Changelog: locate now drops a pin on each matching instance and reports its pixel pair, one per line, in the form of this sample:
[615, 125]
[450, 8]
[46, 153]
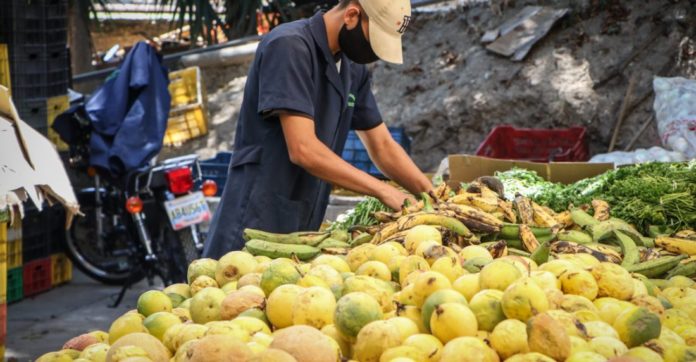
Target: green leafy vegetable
[645, 194]
[361, 214]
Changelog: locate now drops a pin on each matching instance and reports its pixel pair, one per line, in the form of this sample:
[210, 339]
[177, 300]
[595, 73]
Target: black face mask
[355, 45]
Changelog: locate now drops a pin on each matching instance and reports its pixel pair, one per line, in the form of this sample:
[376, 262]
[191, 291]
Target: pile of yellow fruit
[402, 302]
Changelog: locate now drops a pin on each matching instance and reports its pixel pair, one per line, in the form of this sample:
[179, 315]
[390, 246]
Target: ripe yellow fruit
[408, 352]
[558, 266]
[468, 285]
[452, 320]
[545, 279]
[279, 305]
[278, 273]
[354, 311]
[475, 251]
[251, 325]
[375, 338]
[154, 301]
[405, 326]
[608, 347]
[530, 357]
[578, 344]
[414, 314]
[420, 233]
[498, 274]
[600, 329]
[385, 252]
[158, 323]
[449, 267]
[613, 281]
[579, 282]
[332, 332]
[233, 266]
[333, 261]
[359, 255]
[468, 349]
[126, 324]
[509, 337]
[202, 282]
[643, 354]
[375, 269]
[426, 343]
[314, 307]
[411, 264]
[439, 297]
[610, 308]
[568, 321]
[523, 299]
[637, 326]
[488, 309]
[573, 303]
[380, 290]
[680, 281]
[547, 336]
[427, 283]
[586, 356]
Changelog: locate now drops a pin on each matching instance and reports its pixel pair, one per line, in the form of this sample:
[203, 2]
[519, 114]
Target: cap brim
[386, 45]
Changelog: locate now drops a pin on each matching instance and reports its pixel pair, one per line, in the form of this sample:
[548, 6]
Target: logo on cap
[404, 24]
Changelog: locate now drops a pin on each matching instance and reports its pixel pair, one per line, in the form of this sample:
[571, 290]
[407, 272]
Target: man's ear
[351, 14]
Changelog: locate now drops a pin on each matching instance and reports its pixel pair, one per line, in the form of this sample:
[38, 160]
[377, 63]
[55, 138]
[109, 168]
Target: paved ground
[43, 323]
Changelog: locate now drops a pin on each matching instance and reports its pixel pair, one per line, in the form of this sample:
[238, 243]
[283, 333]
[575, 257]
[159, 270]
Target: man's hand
[308, 152]
[393, 161]
[394, 198]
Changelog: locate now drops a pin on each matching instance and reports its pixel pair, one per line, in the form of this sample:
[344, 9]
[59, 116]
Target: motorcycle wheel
[110, 263]
[171, 262]
[188, 245]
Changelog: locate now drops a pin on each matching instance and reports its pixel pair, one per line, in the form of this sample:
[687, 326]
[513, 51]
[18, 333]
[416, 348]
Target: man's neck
[333, 22]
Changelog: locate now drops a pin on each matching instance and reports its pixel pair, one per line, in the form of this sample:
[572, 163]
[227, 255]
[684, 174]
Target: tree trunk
[79, 40]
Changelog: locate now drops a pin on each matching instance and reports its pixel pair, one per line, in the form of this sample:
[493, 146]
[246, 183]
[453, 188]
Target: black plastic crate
[43, 232]
[39, 72]
[32, 111]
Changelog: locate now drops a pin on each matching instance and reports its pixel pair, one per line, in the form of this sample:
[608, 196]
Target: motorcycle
[142, 225]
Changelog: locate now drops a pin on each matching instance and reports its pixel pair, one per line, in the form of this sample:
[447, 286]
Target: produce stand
[467, 271]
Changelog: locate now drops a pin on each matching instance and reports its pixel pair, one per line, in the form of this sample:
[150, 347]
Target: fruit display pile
[459, 276]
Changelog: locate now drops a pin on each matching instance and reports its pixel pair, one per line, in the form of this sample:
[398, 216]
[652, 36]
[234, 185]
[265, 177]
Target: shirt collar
[318, 27]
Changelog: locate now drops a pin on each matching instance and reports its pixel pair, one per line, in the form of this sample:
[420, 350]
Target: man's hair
[343, 3]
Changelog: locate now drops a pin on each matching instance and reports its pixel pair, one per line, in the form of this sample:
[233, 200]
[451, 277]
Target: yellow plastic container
[61, 269]
[188, 117]
[14, 244]
[54, 107]
[3, 263]
[5, 66]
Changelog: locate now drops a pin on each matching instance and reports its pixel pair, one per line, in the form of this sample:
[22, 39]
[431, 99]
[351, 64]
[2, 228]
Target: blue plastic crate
[215, 169]
[355, 153]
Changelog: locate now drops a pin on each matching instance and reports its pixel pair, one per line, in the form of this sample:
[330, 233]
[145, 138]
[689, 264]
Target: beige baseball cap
[388, 22]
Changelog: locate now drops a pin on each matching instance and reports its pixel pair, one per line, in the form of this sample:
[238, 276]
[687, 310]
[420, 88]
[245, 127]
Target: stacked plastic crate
[43, 244]
[35, 32]
[3, 285]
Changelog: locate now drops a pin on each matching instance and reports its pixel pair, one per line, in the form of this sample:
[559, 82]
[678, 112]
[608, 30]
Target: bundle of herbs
[646, 194]
[362, 214]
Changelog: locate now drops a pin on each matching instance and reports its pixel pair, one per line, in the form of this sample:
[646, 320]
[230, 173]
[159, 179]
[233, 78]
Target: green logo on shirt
[351, 100]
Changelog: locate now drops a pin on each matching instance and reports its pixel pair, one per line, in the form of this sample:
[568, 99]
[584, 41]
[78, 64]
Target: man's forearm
[393, 161]
[326, 165]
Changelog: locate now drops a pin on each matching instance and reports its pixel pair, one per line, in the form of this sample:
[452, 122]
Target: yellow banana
[564, 218]
[442, 192]
[524, 209]
[542, 217]
[529, 241]
[423, 218]
[676, 245]
[686, 234]
[385, 232]
[508, 212]
[498, 249]
[601, 210]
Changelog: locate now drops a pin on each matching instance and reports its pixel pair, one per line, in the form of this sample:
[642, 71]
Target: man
[306, 88]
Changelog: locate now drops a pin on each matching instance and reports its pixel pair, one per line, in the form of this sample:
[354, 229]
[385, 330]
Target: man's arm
[393, 161]
[308, 152]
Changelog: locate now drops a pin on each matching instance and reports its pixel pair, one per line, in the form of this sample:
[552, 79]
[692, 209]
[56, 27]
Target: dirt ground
[450, 92]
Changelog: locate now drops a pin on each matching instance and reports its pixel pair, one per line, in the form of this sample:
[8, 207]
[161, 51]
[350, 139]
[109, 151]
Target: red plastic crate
[537, 145]
[37, 276]
[3, 325]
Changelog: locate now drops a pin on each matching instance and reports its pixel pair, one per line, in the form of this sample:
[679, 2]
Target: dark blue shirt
[294, 70]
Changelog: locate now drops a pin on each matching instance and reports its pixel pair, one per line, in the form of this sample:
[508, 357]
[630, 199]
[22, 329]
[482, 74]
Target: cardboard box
[466, 168]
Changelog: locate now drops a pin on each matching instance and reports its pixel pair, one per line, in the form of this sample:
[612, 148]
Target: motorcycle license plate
[187, 210]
